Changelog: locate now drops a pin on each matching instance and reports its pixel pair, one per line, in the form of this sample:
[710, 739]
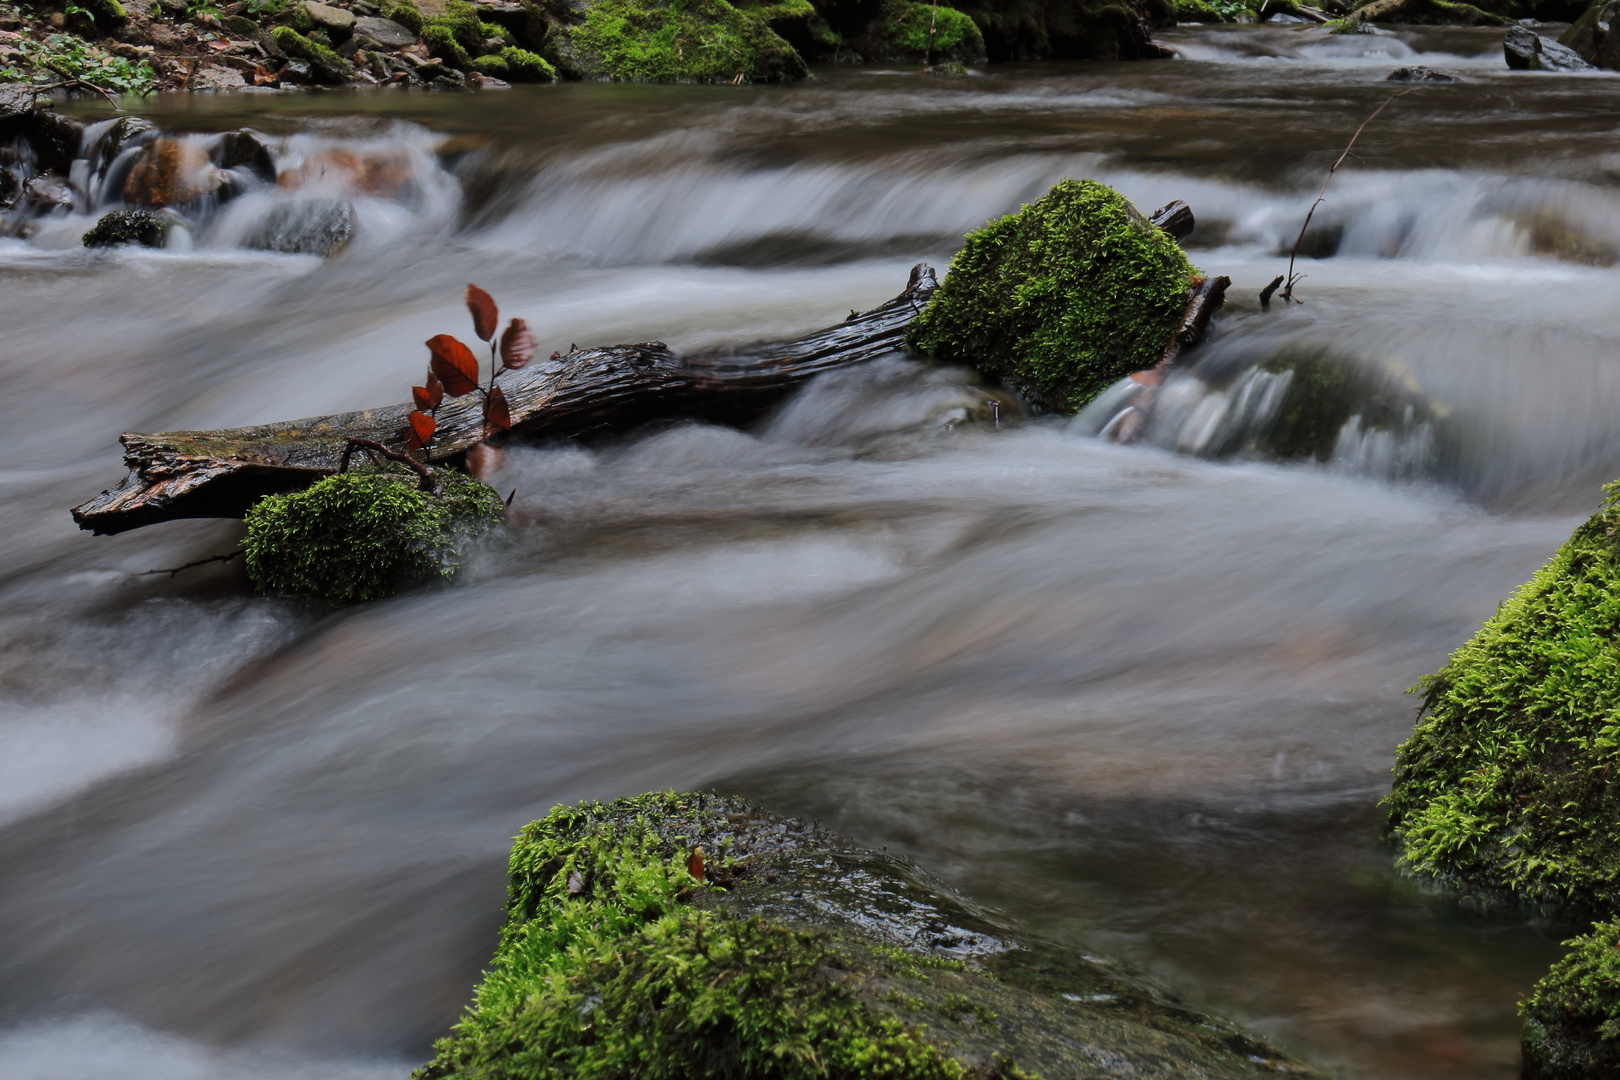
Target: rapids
[1142, 698]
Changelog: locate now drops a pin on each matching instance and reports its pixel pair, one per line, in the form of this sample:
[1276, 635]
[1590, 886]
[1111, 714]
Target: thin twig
[1288, 289]
[1265, 293]
[74, 80]
[200, 562]
[928, 53]
[429, 482]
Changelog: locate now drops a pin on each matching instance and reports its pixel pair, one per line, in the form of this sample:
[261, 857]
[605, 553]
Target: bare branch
[200, 562]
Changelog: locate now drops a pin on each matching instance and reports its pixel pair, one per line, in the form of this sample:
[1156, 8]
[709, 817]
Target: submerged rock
[1059, 300]
[365, 534]
[1526, 50]
[133, 226]
[169, 172]
[697, 936]
[304, 227]
[1420, 74]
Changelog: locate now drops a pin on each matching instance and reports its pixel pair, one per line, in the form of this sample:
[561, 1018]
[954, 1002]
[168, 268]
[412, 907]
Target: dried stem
[1288, 289]
[429, 483]
[200, 562]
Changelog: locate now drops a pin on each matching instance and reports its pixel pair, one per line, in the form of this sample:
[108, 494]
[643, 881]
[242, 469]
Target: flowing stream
[1142, 698]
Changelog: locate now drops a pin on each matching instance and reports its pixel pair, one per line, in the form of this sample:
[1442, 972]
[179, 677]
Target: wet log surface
[199, 474]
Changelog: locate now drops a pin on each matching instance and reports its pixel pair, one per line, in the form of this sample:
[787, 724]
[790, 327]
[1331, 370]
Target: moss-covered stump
[793, 953]
[1572, 1018]
[1508, 783]
[671, 41]
[365, 534]
[1059, 300]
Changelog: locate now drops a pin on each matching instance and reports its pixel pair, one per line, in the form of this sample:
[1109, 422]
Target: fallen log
[1202, 303]
[200, 474]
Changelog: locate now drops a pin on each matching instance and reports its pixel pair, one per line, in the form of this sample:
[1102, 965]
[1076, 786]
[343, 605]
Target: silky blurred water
[1142, 700]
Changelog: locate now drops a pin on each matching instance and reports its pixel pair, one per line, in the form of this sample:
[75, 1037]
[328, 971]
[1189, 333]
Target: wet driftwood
[1202, 303]
[192, 474]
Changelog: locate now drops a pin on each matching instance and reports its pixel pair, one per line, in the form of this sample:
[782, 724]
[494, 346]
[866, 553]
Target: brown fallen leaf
[694, 865]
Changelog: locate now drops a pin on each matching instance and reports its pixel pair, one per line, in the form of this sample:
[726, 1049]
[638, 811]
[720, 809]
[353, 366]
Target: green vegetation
[604, 970]
[1505, 784]
[1198, 11]
[327, 65]
[456, 35]
[130, 226]
[365, 534]
[406, 14]
[905, 31]
[1572, 1018]
[1325, 390]
[675, 41]
[1061, 299]
[525, 66]
[72, 55]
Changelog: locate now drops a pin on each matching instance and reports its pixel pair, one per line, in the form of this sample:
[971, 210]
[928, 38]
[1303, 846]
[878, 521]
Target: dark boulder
[1590, 35]
[244, 149]
[1528, 51]
[1420, 74]
[383, 33]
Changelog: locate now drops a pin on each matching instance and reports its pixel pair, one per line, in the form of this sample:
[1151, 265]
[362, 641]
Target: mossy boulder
[1420, 13]
[365, 534]
[1572, 1017]
[1592, 35]
[789, 952]
[1060, 299]
[1508, 784]
[671, 41]
[130, 226]
[1199, 11]
[899, 33]
[1067, 29]
[324, 62]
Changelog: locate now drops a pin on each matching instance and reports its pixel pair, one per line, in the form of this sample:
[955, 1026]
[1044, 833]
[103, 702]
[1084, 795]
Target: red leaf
[694, 865]
[486, 317]
[517, 344]
[422, 397]
[435, 390]
[422, 428]
[454, 364]
[497, 416]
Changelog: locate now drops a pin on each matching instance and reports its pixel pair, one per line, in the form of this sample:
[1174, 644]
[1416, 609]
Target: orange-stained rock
[169, 172]
[382, 172]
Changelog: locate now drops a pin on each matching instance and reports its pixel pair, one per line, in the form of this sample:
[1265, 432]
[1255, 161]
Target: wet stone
[1525, 50]
[133, 226]
[385, 32]
[244, 149]
[305, 227]
[1420, 74]
[169, 172]
[329, 18]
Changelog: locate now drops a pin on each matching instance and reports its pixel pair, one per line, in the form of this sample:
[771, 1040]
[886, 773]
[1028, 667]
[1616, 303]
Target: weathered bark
[1175, 218]
[190, 474]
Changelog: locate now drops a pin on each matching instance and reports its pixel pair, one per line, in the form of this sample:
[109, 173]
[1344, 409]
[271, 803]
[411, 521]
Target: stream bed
[1142, 698]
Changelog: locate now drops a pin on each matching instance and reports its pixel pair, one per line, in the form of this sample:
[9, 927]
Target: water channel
[1142, 698]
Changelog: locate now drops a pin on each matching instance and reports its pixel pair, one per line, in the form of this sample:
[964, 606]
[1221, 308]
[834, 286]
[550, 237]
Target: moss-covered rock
[1592, 35]
[1327, 390]
[365, 534]
[1572, 1017]
[1066, 29]
[1420, 13]
[672, 41]
[525, 66]
[1074, 291]
[324, 62]
[792, 954]
[899, 33]
[406, 14]
[1200, 11]
[130, 226]
[1508, 784]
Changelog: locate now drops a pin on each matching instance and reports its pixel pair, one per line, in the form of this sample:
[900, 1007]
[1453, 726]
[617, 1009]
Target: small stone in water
[1420, 74]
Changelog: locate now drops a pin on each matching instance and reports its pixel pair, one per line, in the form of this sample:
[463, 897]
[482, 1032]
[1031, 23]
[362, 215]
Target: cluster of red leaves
[453, 370]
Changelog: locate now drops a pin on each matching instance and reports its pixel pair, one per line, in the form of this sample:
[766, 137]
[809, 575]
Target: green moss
[131, 226]
[326, 63]
[1197, 11]
[905, 31]
[406, 14]
[678, 40]
[1506, 785]
[603, 970]
[525, 66]
[108, 10]
[1572, 1017]
[492, 65]
[365, 534]
[1061, 299]
[441, 42]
